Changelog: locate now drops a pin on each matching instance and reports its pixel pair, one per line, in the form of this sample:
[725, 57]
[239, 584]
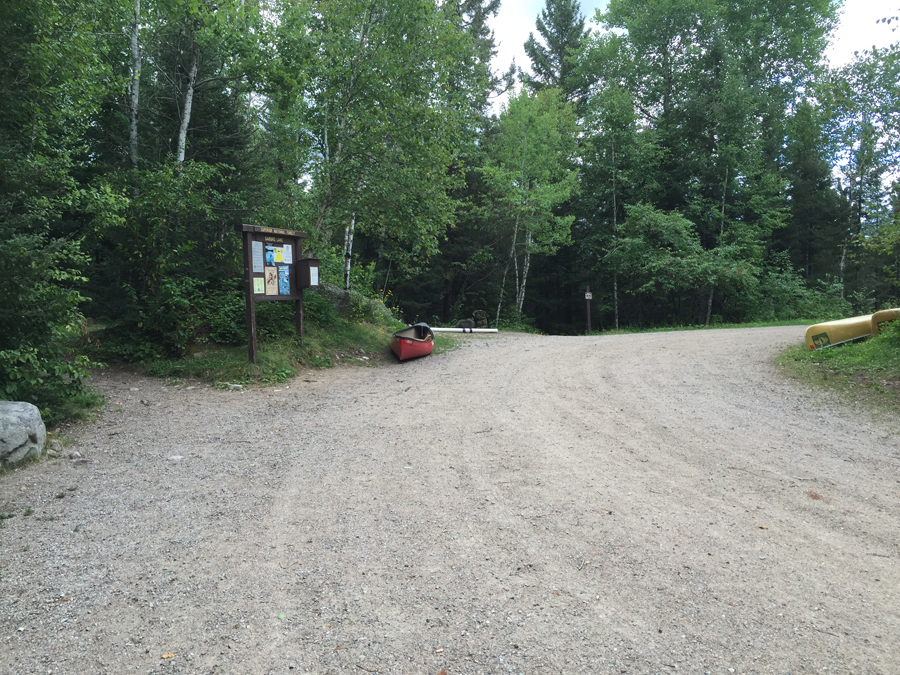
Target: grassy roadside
[361, 341]
[866, 371]
[716, 326]
[341, 341]
[336, 340]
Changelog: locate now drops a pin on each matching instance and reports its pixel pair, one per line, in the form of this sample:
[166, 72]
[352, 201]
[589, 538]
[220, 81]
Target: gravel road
[651, 503]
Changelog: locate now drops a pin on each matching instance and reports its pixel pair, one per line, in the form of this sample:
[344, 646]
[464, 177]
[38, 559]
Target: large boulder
[337, 295]
[22, 432]
[354, 303]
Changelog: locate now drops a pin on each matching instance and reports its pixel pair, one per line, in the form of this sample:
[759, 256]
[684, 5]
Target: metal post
[587, 303]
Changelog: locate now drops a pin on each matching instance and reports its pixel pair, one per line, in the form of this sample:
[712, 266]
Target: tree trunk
[512, 255]
[135, 89]
[615, 234]
[520, 295]
[616, 298]
[841, 266]
[386, 277]
[188, 102]
[348, 250]
[721, 232]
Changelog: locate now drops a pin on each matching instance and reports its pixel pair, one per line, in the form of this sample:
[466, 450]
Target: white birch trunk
[135, 86]
[188, 102]
[616, 298]
[333, 161]
[615, 234]
[348, 250]
[512, 256]
[721, 232]
[526, 265]
[841, 266]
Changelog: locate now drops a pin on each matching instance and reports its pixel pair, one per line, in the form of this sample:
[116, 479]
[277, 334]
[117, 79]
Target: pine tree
[561, 25]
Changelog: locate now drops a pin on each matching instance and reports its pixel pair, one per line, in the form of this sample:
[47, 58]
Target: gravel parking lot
[652, 503]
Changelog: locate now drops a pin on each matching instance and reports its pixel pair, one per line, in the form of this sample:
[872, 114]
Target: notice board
[275, 270]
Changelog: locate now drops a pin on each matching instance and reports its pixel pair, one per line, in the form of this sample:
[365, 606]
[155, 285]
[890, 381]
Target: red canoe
[413, 341]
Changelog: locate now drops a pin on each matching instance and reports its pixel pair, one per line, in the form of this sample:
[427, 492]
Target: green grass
[868, 371]
[279, 359]
[445, 342]
[83, 406]
[340, 341]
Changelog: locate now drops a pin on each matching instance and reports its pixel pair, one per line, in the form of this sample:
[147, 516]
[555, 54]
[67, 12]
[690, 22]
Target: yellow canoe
[832, 333]
[882, 318]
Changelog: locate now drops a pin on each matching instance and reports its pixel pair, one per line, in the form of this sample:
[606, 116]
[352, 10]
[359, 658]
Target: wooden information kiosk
[274, 270]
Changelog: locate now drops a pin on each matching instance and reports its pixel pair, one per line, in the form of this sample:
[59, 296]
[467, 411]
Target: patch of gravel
[651, 503]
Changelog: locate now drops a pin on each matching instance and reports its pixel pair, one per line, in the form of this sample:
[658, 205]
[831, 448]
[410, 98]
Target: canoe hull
[410, 349]
[832, 333]
[882, 318]
[413, 342]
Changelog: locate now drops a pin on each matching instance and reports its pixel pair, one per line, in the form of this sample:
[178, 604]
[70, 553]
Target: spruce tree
[561, 25]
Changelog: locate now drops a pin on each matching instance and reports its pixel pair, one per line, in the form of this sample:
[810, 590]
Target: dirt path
[651, 503]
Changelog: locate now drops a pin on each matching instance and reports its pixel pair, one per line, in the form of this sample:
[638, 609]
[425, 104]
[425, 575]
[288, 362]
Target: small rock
[235, 387]
[176, 458]
[74, 455]
[134, 389]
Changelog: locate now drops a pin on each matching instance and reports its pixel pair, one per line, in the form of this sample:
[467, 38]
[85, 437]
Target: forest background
[694, 161]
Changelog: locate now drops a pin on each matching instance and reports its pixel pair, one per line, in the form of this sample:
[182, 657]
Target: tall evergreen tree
[561, 25]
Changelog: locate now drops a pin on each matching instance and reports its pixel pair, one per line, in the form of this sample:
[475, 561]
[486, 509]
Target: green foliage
[515, 322]
[225, 317]
[783, 294]
[657, 253]
[381, 113]
[51, 78]
[319, 311]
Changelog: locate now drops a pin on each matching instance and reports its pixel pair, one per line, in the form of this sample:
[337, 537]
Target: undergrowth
[359, 336]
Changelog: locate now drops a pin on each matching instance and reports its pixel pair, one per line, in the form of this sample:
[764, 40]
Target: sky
[857, 29]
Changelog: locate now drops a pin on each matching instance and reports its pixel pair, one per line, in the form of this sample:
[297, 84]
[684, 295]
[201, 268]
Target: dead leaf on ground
[167, 655]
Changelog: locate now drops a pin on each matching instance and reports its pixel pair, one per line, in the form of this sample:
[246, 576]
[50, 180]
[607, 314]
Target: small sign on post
[274, 270]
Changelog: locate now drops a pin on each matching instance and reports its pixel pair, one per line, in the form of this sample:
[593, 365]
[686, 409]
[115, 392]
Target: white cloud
[858, 29]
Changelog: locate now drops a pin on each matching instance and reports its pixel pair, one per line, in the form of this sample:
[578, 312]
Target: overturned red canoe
[413, 341]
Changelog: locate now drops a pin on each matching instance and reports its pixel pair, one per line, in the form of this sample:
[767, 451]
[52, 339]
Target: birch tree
[380, 116]
[531, 169]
